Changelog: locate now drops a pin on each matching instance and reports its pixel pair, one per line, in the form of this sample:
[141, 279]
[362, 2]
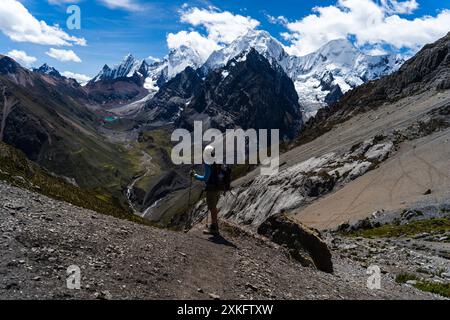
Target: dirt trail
[118, 259]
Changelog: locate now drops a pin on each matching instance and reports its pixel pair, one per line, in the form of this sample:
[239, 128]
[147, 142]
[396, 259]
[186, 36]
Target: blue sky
[112, 28]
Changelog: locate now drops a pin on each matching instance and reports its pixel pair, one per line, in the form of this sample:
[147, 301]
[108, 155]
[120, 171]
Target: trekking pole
[189, 201]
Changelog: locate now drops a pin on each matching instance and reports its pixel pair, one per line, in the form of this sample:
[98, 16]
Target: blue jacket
[207, 174]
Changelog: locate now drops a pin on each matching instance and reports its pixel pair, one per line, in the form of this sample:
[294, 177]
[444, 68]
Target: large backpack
[220, 178]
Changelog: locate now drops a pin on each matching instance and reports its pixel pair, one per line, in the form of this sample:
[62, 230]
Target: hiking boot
[213, 229]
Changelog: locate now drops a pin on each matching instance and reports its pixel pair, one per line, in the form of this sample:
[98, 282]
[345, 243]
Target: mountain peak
[181, 58]
[128, 57]
[339, 50]
[339, 43]
[259, 40]
[8, 65]
[127, 68]
[46, 69]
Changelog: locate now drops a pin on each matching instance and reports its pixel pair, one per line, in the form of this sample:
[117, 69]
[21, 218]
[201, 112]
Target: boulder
[298, 238]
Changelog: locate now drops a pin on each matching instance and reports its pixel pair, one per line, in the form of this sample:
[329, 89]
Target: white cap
[208, 150]
[208, 156]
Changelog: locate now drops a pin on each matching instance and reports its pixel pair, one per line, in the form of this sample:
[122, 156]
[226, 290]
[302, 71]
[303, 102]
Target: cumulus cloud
[22, 57]
[376, 51]
[203, 45]
[63, 55]
[277, 20]
[81, 78]
[401, 7]
[220, 28]
[17, 23]
[153, 59]
[129, 5]
[370, 22]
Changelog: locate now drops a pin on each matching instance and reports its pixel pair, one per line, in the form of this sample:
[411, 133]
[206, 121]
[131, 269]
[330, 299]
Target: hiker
[210, 178]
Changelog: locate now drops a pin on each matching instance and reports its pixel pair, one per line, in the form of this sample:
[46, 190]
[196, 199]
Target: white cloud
[153, 59]
[129, 5]
[59, 2]
[400, 7]
[204, 46]
[63, 55]
[81, 78]
[22, 57]
[277, 20]
[221, 27]
[20, 25]
[376, 52]
[370, 21]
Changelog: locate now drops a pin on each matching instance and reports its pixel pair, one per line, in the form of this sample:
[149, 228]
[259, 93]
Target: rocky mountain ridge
[320, 78]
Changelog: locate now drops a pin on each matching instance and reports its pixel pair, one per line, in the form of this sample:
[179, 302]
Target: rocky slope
[41, 238]
[362, 132]
[413, 244]
[341, 159]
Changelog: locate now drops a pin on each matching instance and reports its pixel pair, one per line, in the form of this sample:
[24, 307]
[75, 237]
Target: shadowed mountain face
[173, 96]
[121, 84]
[113, 92]
[248, 93]
[46, 69]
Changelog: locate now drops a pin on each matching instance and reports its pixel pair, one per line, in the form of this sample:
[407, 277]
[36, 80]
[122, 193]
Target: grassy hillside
[16, 169]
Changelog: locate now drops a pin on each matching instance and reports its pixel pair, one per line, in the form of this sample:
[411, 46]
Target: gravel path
[118, 259]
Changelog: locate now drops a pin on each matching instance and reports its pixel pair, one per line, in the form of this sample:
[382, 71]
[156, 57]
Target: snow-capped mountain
[126, 69]
[324, 76]
[260, 40]
[175, 62]
[46, 69]
[242, 94]
[321, 77]
[180, 59]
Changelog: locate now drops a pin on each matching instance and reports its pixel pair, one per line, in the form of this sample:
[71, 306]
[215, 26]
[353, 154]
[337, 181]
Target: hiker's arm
[205, 177]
